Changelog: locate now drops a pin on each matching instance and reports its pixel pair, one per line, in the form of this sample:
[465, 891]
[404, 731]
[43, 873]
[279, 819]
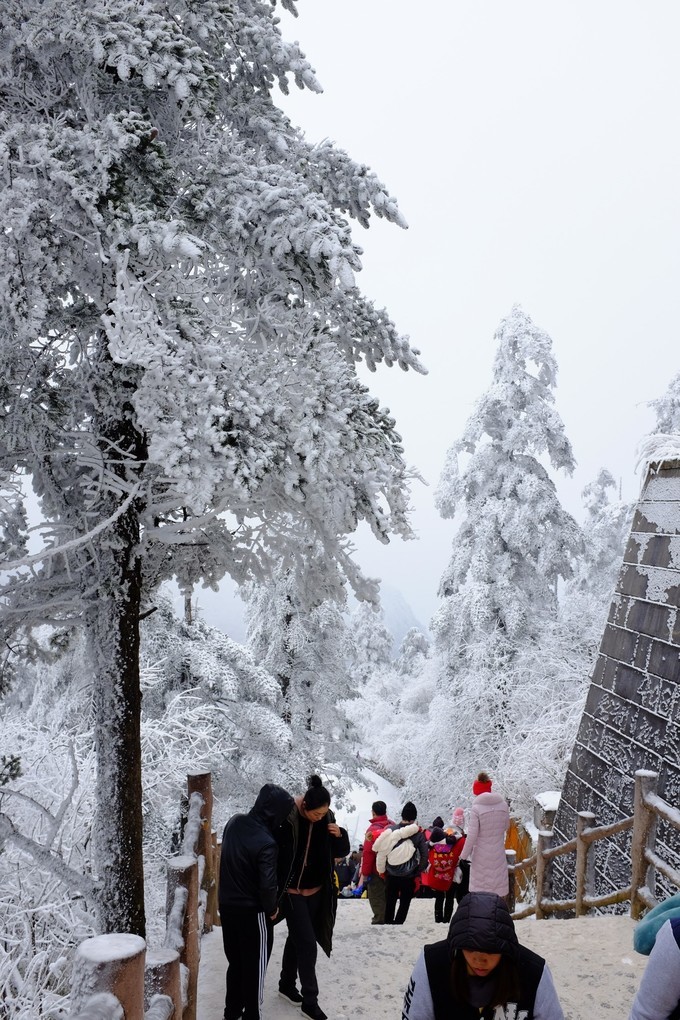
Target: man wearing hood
[481, 972]
[247, 899]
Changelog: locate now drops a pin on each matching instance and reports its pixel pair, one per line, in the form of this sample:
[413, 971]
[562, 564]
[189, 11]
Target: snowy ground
[592, 959]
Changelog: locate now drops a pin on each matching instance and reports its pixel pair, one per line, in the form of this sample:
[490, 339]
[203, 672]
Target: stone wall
[632, 715]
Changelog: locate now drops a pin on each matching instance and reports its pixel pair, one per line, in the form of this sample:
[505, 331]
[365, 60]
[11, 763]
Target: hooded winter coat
[248, 874]
[288, 837]
[482, 922]
[485, 844]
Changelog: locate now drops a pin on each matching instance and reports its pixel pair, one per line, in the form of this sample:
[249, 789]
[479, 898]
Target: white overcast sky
[535, 152]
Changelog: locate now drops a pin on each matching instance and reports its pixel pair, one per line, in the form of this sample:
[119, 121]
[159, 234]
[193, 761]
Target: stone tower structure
[632, 715]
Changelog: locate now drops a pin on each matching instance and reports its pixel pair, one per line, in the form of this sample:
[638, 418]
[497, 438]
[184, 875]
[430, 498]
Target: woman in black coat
[309, 844]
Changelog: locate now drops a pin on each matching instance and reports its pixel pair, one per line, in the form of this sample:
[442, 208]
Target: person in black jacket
[248, 899]
[480, 971]
[309, 844]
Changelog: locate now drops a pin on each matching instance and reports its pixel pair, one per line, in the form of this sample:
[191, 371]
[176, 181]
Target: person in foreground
[247, 899]
[480, 971]
[309, 844]
[658, 997]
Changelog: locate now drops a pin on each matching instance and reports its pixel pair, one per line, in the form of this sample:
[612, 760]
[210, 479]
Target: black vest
[438, 963]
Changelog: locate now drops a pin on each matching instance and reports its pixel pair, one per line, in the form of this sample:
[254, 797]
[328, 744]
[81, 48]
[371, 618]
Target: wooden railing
[645, 862]
[116, 977]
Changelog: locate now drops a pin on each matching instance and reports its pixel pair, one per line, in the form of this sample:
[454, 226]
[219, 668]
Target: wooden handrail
[604, 831]
[130, 974]
[645, 862]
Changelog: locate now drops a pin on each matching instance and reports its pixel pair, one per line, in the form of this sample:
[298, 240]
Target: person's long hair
[506, 986]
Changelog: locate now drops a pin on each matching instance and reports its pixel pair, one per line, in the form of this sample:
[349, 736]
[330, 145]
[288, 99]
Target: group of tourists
[278, 861]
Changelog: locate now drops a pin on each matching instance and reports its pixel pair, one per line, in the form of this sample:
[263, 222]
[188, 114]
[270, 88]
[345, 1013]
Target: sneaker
[313, 1011]
[291, 995]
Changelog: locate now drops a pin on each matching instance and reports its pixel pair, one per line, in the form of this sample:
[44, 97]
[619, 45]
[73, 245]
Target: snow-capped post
[110, 967]
[543, 883]
[644, 837]
[585, 861]
[162, 978]
[182, 924]
[201, 783]
[511, 858]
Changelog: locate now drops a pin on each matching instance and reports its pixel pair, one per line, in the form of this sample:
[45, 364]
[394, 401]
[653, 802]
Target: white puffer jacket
[387, 841]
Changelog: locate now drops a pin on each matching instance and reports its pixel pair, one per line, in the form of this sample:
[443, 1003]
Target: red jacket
[443, 859]
[378, 825]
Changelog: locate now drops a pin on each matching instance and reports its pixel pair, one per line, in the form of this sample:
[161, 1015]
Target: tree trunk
[118, 702]
[113, 631]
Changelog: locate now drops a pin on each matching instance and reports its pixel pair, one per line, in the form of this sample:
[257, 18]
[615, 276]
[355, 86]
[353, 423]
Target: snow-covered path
[592, 959]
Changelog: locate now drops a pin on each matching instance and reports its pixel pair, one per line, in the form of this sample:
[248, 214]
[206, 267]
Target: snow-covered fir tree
[513, 543]
[605, 532]
[553, 672]
[664, 441]
[179, 327]
[300, 638]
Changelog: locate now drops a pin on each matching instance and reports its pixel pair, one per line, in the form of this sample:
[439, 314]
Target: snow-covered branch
[74, 880]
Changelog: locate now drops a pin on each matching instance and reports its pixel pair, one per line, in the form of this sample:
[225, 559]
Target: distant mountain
[399, 616]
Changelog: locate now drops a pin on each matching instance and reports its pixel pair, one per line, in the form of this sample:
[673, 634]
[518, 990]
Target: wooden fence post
[162, 977]
[543, 871]
[585, 861]
[217, 850]
[201, 782]
[644, 837]
[183, 877]
[511, 858]
[111, 963]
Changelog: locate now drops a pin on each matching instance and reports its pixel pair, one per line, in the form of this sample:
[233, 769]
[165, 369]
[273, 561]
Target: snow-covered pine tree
[179, 327]
[513, 542]
[297, 632]
[605, 532]
[553, 673]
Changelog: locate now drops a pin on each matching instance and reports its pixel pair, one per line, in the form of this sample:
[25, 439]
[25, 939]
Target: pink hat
[458, 818]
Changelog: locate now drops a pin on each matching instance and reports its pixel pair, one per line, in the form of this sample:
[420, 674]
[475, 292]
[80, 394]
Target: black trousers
[443, 903]
[248, 936]
[299, 952]
[401, 889]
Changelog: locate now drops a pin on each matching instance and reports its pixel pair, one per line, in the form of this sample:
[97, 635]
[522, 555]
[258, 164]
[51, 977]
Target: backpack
[398, 866]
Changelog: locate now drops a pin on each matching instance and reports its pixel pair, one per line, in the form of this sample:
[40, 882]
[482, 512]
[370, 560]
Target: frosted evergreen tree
[300, 638]
[179, 329]
[552, 674]
[515, 539]
[663, 444]
[605, 532]
[513, 543]
[667, 409]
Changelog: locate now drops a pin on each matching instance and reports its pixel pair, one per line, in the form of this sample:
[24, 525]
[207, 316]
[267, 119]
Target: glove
[358, 891]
